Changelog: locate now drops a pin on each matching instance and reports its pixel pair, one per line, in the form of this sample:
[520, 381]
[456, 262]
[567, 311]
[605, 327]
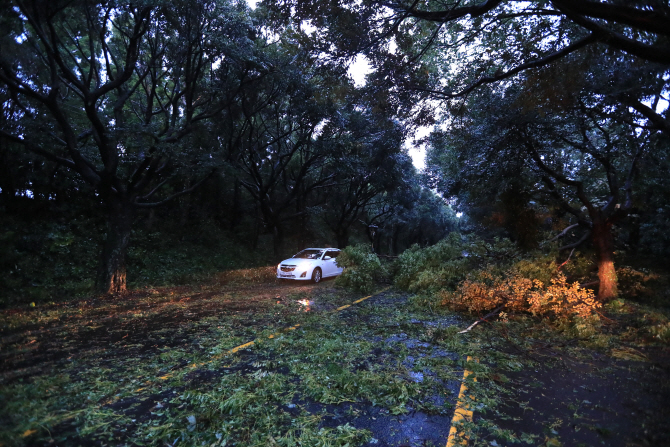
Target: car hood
[299, 261]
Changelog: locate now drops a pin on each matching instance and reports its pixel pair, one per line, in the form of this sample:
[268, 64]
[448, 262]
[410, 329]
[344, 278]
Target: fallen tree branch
[567, 260]
[488, 315]
[561, 234]
[589, 284]
[603, 316]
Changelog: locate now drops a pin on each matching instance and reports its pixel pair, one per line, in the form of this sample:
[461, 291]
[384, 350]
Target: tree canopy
[126, 108]
[209, 110]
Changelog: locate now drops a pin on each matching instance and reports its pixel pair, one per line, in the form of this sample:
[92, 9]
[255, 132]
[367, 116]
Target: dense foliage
[478, 277]
[362, 268]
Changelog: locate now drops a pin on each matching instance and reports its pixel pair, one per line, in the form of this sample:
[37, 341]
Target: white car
[311, 264]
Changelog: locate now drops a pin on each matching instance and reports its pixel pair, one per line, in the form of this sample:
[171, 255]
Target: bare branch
[494, 312]
[153, 191]
[657, 120]
[44, 153]
[561, 234]
[567, 260]
[583, 239]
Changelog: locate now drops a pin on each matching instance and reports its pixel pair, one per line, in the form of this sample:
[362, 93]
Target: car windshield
[309, 254]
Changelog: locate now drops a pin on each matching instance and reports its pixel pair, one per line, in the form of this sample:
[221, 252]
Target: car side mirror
[325, 258]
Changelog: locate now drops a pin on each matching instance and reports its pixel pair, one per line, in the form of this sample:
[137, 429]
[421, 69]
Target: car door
[330, 267]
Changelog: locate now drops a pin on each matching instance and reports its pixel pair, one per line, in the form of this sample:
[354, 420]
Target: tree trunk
[8, 193]
[277, 240]
[603, 241]
[257, 233]
[185, 205]
[634, 234]
[236, 211]
[394, 239]
[302, 215]
[151, 218]
[342, 237]
[111, 277]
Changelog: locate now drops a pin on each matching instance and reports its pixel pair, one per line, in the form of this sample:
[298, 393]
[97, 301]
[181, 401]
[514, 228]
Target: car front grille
[287, 268]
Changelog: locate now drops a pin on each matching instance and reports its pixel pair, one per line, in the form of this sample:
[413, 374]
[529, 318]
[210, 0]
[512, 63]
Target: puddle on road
[409, 343]
[306, 305]
[416, 376]
[415, 429]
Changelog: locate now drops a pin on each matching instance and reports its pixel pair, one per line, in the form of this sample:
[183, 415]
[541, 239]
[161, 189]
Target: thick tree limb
[494, 312]
[527, 66]
[582, 13]
[449, 15]
[642, 19]
[565, 206]
[583, 239]
[652, 53]
[174, 196]
[561, 234]
[578, 185]
[656, 119]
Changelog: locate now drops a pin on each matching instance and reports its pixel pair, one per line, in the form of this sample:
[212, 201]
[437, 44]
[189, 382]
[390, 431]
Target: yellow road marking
[28, 433]
[462, 413]
[246, 345]
[271, 336]
[370, 296]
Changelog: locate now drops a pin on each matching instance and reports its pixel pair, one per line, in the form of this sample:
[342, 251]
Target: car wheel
[316, 275]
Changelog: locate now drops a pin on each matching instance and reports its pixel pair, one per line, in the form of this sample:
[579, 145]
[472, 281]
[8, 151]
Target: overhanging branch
[174, 196]
[656, 119]
[583, 239]
[561, 234]
[527, 66]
